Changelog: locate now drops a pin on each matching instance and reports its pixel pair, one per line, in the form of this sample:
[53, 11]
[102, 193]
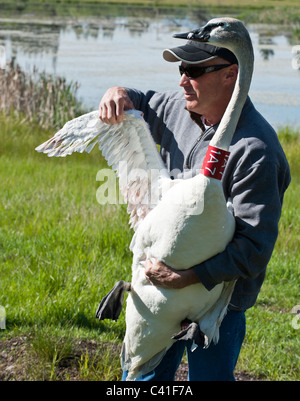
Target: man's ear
[230, 74]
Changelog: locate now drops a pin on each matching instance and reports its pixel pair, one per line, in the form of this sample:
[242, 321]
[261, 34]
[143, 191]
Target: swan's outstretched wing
[128, 147]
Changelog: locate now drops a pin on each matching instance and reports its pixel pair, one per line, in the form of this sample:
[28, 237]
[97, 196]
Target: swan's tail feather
[111, 305]
[211, 321]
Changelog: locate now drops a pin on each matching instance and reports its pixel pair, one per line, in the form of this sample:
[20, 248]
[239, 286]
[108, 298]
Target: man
[255, 178]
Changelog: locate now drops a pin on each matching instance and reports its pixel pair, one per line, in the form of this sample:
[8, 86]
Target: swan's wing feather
[128, 147]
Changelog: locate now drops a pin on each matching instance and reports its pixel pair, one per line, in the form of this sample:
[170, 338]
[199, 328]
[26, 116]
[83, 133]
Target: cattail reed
[39, 97]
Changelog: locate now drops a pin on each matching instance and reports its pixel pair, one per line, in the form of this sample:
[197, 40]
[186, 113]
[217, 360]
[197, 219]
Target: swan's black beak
[199, 35]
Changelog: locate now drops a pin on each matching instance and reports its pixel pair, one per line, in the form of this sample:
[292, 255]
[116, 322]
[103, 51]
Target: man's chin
[190, 106]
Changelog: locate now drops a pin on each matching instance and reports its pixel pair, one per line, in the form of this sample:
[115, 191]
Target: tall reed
[50, 101]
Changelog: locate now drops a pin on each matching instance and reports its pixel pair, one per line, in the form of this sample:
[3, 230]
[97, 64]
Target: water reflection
[100, 52]
[296, 57]
[266, 42]
[33, 39]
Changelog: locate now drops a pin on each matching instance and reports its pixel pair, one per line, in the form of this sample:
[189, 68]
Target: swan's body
[187, 223]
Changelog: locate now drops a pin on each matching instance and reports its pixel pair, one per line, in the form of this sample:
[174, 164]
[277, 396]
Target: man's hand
[113, 103]
[164, 276]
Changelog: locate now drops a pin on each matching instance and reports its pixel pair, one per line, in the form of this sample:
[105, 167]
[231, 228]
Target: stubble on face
[206, 95]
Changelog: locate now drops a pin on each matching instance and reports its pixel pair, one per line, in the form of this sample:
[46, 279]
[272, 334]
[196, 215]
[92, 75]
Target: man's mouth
[189, 96]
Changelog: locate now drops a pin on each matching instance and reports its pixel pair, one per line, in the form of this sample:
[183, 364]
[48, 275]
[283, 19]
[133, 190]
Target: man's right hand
[113, 103]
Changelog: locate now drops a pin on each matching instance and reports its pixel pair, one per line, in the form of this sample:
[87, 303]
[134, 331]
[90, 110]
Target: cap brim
[187, 54]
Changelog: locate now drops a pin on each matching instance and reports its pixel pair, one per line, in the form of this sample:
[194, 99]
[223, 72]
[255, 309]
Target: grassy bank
[61, 252]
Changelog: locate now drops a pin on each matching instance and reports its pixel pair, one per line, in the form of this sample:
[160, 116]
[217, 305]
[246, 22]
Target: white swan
[180, 233]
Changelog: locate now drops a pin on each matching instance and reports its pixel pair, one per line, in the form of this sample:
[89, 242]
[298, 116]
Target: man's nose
[184, 80]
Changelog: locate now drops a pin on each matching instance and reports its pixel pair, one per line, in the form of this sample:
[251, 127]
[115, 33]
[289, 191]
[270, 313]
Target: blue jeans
[215, 363]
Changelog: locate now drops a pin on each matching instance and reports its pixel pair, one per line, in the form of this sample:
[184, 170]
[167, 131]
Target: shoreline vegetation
[38, 97]
[61, 252]
[267, 11]
[165, 3]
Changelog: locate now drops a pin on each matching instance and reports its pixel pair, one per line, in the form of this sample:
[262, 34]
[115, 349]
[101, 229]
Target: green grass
[271, 349]
[60, 252]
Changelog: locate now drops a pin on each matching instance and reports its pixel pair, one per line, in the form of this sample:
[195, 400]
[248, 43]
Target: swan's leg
[190, 331]
[111, 305]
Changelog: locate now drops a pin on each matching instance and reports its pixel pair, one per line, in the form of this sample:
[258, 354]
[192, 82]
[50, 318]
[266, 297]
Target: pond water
[100, 52]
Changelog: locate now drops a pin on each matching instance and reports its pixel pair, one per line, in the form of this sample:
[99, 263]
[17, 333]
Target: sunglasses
[193, 72]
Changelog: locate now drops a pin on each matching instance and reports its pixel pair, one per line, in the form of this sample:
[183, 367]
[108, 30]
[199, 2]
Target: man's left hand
[164, 276]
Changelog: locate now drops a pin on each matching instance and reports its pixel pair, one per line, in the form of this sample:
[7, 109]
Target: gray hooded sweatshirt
[256, 177]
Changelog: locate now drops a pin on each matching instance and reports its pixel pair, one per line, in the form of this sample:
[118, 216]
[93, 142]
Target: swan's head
[223, 32]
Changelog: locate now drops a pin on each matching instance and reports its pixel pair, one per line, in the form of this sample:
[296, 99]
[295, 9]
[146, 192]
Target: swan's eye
[221, 24]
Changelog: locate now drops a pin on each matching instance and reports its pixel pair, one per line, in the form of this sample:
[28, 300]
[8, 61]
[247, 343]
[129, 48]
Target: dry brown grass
[39, 97]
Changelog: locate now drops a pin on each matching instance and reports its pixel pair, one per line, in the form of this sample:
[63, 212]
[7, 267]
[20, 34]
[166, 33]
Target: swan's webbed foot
[190, 331]
[111, 305]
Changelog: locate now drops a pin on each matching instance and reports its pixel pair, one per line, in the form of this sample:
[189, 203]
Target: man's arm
[257, 190]
[152, 104]
[113, 104]
[164, 276]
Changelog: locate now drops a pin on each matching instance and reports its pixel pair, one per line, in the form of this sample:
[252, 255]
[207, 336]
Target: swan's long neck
[223, 136]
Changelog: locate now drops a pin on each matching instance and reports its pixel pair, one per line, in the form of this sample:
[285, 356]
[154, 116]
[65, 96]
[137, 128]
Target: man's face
[206, 92]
